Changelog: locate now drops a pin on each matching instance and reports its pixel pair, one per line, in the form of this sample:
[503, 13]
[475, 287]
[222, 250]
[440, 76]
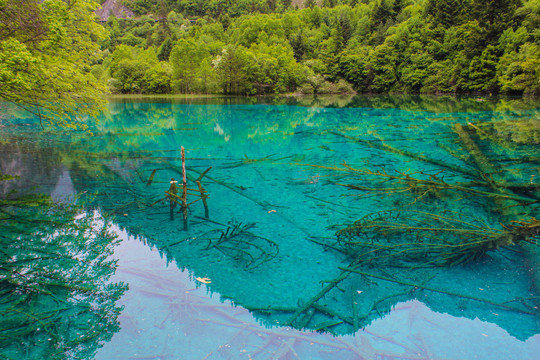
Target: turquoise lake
[384, 227]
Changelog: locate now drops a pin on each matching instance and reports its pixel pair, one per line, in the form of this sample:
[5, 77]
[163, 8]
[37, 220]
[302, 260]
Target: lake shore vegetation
[257, 47]
[57, 59]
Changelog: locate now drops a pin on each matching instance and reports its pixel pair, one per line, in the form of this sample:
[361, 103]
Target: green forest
[258, 47]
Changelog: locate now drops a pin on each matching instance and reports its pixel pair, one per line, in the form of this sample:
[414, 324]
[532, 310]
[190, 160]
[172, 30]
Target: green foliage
[46, 49]
[6, 177]
[530, 13]
[273, 68]
[446, 12]
[247, 30]
[354, 68]
[310, 3]
[383, 68]
[187, 58]
[263, 47]
[134, 71]
[165, 49]
[231, 70]
[495, 16]
[482, 71]
[440, 78]
[130, 74]
[519, 71]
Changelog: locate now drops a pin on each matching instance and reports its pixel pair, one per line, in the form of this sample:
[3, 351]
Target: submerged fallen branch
[423, 287]
[394, 237]
[241, 244]
[417, 183]
[386, 147]
[333, 283]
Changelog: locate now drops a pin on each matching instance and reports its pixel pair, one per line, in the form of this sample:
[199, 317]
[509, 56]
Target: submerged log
[386, 147]
[423, 287]
[491, 176]
[414, 237]
[333, 283]
[498, 183]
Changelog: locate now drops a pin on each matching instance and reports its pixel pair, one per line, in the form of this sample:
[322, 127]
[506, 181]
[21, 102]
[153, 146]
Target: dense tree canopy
[46, 50]
[50, 52]
[376, 46]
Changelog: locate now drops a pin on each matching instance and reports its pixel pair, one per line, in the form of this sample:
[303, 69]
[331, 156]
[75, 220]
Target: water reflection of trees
[446, 186]
[55, 298]
[134, 139]
[430, 103]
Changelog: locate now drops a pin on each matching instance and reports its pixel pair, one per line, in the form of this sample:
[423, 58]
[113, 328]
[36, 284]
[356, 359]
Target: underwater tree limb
[497, 183]
[490, 175]
[240, 244]
[423, 287]
[412, 155]
[333, 283]
[429, 239]
[415, 184]
[241, 193]
[328, 246]
[420, 185]
[332, 313]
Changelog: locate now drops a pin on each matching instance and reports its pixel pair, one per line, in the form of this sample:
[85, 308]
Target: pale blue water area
[277, 270]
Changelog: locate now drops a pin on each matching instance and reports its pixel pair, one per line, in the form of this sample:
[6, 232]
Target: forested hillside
[331, 46]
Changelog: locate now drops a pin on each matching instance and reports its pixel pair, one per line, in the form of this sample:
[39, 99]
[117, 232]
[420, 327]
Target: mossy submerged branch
[241, 244]
[429, 240]
[332, 284]
[497, 183]
[417, 183]
[415, 237]
[422, 158]
[487, 170]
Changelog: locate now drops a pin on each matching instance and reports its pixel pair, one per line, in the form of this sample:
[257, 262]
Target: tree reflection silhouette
[300, 215]
[55, 298]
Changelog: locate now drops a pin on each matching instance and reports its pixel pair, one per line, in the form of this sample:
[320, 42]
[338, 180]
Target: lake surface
[387, 227]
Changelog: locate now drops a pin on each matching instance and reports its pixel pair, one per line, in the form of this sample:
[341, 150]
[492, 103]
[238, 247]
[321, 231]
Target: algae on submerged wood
[418, 238]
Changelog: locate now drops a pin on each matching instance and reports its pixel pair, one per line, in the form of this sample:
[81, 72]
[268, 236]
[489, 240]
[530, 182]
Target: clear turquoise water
[271, 170]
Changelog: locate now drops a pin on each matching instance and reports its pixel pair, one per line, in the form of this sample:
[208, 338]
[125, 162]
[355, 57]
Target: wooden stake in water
[203, 192]
[172, 201]
[151, 178]
[181, 199]
[183, 166]
[203, 197]
[184, 190]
